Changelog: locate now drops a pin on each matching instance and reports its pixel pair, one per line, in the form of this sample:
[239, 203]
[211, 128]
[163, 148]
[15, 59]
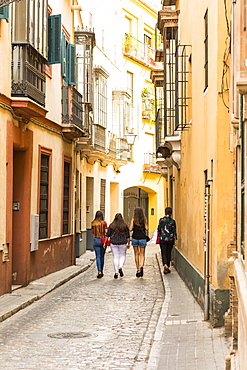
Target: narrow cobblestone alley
[88, 323]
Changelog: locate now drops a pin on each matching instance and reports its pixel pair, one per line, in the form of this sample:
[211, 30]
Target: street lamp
[130, 138]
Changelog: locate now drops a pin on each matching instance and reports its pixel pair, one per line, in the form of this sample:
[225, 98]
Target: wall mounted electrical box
[34, 242]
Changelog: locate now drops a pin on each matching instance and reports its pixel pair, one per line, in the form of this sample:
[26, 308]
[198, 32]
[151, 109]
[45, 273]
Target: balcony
[74, 114]
[28, 77]
[150, 164]
[139, 52]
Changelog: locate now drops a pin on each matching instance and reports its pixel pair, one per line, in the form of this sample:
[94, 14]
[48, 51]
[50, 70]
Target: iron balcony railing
[79, 115]
[150, 164]
[28, 77]
[99, 138]
[138, 50]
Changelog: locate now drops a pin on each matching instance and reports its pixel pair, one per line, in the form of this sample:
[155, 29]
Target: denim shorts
[139, 243]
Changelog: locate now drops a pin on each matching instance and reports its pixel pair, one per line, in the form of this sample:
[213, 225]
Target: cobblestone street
[88, 323]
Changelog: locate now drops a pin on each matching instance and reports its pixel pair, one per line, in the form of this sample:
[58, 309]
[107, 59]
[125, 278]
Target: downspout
[206, 251]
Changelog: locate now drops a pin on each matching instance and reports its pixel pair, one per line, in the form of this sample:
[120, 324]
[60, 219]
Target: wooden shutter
[63, 56]
[54, 39]
[4, 12]
[72, 64]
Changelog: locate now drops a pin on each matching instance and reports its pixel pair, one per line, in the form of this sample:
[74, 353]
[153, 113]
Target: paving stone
[89, 323]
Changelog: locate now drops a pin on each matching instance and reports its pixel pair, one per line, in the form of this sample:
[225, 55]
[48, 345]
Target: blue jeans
[139, 242]
[99, 253]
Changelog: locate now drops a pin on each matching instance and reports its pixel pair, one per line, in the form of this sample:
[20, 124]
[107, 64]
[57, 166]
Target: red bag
[158, 239]
[107, 243]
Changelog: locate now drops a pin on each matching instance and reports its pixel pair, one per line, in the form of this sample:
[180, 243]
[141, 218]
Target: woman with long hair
[139, 226]
[99, 227]
[119, 234]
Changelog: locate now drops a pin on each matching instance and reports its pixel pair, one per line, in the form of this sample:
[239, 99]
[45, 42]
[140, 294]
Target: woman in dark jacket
[168, 235]
[139, 226]
[119, 234]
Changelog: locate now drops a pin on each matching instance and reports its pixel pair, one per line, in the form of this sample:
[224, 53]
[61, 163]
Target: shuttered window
[63, 56]
[4, 12]
[72, 64]
[54, 39]
[44, 196]
[68, 61]
[66, 197]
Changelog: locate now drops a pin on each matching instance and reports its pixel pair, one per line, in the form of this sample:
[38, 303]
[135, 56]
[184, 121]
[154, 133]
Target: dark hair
[98, 218]
[168, 211]
[118, 224]
[139, 218]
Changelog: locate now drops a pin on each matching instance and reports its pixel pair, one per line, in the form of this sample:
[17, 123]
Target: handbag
[158, 239]
[146, 236]
[102, 240]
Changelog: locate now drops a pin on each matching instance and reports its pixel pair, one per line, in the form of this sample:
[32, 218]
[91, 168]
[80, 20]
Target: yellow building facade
[196, 147]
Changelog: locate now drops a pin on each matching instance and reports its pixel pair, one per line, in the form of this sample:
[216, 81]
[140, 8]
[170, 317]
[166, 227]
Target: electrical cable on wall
[224, 79]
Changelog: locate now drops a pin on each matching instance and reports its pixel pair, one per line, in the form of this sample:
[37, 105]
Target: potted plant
[127, 42]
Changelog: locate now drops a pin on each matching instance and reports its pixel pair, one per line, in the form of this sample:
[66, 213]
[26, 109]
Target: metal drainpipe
[206, 252]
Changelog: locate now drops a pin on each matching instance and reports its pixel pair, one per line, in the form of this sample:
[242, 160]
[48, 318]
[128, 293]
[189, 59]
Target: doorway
[134, 197]
[20, 219]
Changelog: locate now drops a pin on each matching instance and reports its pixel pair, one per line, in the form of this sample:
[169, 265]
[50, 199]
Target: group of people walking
[117, 235]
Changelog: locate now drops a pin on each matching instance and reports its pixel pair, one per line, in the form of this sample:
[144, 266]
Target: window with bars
[102, 195]
[66, 197]
[44, 196]
[206, 50]
[100, 97]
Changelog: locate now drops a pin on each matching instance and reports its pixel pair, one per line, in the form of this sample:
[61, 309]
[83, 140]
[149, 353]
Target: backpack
[167, 229]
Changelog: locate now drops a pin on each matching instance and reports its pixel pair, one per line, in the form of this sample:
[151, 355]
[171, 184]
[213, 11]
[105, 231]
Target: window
[44, 196]
[243, 171]
[100, 97]
[245, 15]
[148, 40]
[103, 40]
[128, 25]
[130, 85]
[102, 195]
[66, 197]
[29, 24]
[90, 20]
[206, 50]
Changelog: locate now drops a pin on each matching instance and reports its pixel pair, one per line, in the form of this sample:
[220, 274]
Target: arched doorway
[134, 197]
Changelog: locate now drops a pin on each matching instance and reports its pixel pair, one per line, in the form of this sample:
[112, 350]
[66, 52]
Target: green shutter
[72, 64]
[54, 39]
[4, 12]
[63, 56]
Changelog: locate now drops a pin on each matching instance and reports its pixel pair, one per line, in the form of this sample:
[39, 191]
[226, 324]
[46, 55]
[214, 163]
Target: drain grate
[70, 335]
